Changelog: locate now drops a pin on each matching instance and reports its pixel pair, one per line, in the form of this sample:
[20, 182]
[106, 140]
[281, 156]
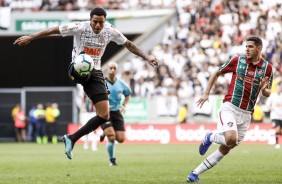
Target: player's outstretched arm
[24, 40]
[206, 94]
[137, 51]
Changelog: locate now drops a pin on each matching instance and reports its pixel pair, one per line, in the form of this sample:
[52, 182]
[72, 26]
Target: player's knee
[111, 137]
[120, 140]
[224, 149]
[233, 146]
[231, 141]
[104, 115]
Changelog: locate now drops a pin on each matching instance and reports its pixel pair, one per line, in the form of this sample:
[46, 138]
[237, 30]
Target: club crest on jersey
[230, 124]
[260, 71]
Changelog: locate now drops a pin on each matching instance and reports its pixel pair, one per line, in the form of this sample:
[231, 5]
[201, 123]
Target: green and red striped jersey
[244, 87]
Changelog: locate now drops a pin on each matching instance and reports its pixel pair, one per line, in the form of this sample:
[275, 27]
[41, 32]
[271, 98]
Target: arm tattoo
[135, 50]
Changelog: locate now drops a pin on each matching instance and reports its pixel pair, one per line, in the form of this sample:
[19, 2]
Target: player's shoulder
[266, 64]
[235, 58]
[120, 81]
[109, 27]
[84, 24]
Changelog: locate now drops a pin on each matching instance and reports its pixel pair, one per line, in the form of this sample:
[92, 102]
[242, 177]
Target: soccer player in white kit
[90, 37]
[275, 106]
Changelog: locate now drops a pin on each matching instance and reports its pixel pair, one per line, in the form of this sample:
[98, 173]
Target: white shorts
[232, 117]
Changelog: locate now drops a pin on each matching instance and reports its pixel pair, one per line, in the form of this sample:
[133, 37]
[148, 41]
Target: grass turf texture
[137, 164]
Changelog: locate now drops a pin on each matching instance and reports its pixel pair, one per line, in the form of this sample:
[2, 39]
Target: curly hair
[99, 12]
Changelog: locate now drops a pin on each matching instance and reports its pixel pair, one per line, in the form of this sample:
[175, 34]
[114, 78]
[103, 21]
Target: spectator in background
[258, 113]
[51, 114]
[275, 106]
[32, 124]
[20, 125]
[41, 125]
[15, 109]
[182, 114]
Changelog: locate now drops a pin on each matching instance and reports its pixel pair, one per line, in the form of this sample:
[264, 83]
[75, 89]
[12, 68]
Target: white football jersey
[92, 44]
[275, 102]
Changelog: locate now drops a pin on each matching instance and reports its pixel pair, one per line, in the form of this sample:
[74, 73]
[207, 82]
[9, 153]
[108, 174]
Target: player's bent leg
[110, 133]
[211, 161]
[102, 109]
[225, 149]
[120, 136]
[231, 138]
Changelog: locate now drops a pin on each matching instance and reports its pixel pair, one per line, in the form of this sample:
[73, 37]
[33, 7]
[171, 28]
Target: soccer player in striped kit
[251, 74]
[92, 38]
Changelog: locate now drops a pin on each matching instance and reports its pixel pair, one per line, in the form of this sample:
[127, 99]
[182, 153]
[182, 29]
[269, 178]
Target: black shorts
[276, 123]
[94, 84]
[96, 87]
[116, 121]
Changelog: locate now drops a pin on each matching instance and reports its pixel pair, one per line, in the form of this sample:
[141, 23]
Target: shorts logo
[230, 124]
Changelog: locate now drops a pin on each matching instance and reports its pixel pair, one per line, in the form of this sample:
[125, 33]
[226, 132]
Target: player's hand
[264, 82]
[122, 109]
[202, 100]
[23, 40]
[152, 61]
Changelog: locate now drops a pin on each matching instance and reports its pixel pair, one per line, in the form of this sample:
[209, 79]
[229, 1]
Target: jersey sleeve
[269, 74]
[117, 36]
[229, 66]
[71, 28]
[126, 89]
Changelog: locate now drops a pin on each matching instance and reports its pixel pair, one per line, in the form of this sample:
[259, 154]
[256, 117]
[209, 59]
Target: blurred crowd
[207, 34]
[76, 5]
[38, 125]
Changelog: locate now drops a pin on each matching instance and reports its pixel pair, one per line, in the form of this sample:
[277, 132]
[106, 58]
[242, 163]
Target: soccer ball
[83, 64]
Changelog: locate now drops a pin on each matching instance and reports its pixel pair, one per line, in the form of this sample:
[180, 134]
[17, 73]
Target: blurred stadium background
[190, 39]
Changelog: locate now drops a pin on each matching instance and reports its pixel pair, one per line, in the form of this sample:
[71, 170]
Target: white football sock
[218, 138]
[209, 162]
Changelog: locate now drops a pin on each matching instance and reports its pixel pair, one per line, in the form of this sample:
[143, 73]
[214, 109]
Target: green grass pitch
[137, 164]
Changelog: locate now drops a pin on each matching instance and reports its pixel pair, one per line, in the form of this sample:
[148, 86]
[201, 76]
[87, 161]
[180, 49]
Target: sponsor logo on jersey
[92, 51]
[247, 79]
[89, 44]
[251, 73]
[230, 124]
[260, 71]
